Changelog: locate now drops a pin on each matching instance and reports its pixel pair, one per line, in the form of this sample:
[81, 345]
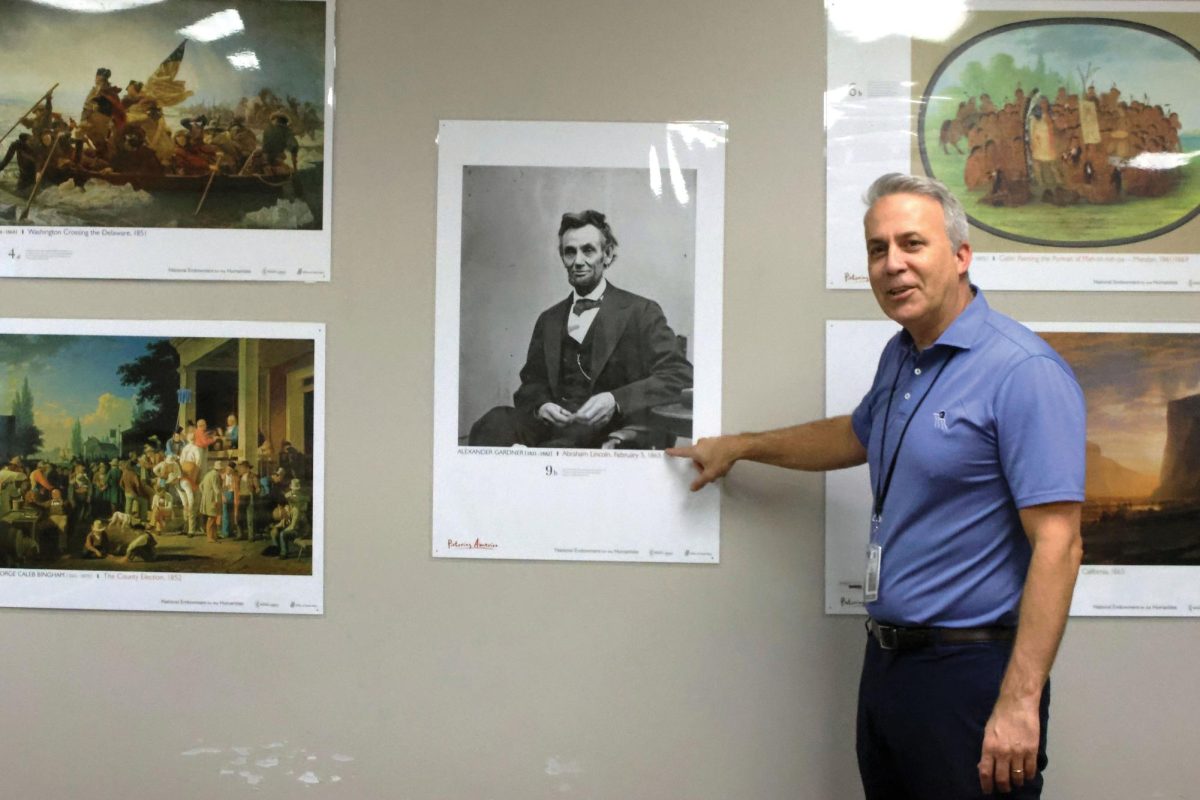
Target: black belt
[894, 637]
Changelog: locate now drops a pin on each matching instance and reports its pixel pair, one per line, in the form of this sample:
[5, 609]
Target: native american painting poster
[1070, 138]
[174, 139]
[1141, 512]
[578, 336]
[161, 466]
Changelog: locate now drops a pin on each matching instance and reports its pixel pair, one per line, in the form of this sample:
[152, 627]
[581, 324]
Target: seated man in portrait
[598, 360]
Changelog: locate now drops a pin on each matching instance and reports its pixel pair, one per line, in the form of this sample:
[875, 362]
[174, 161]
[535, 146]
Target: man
[277, 140]
[158, 134]
[289, 526]
[168, 475]
[22, 148]
[131, 486]
[176, 443]
[228, 498]
[974, 432]
[193, 154]
[12, 475]
[278, 487]
[1042, 146]
[210, 499]
[237, 143]
[243, 506]
[103, 114]
[113, 494]
[133, 156]
[598, 360]
[40, 479]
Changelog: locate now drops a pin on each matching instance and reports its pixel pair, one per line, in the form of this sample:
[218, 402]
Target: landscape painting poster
[1070, 131]
[162, 466]
[578, 335]
[184, 139]
[1141, 513]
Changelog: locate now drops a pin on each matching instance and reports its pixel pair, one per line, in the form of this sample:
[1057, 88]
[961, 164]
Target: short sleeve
[1041, 428]
[862, 418]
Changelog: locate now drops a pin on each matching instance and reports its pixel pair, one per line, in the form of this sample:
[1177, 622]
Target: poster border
[860, 105]
[1100, 590]
[681, 528]
[207, 592]
[247, 254]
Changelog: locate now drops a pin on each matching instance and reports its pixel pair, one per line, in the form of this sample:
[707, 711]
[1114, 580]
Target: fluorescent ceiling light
[655, 172]
[870, 20]
[244, 59]
[96, 6]
[694, 134]
[215, 26]
[1161, 160]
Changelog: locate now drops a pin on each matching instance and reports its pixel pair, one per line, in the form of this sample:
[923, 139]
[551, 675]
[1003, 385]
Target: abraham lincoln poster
[176, 139]
[578, 335]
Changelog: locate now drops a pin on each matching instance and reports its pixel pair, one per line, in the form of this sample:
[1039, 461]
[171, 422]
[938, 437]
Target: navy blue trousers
[921, 715]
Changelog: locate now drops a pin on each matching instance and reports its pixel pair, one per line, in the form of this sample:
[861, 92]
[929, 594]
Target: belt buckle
[888, 636]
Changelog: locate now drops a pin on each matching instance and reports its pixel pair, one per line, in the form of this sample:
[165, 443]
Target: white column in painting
[248, 361]
[187, 394]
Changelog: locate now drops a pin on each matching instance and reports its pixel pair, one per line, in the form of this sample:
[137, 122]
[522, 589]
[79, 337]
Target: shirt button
[907, 395]
[917, 371]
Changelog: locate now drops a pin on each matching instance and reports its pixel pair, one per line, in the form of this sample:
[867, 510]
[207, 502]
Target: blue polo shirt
[1001, 427]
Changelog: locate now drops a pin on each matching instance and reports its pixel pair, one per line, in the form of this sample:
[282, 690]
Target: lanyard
[884, 484]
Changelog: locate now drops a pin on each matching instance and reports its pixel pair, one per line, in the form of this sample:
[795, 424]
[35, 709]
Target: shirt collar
[594, 294]
[964, 330]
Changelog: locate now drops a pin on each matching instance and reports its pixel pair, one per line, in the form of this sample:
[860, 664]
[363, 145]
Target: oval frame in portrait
[953, 58]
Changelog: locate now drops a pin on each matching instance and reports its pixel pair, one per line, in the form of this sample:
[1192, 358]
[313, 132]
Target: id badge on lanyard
[884, 482]
[874, 563]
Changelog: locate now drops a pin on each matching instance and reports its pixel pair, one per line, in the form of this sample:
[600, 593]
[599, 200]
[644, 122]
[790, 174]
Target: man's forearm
[1045, 604]
[820, 445]
[1011, 736]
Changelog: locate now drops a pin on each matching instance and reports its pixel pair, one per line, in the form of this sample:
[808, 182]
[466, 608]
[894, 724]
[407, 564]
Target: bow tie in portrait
[583, 304]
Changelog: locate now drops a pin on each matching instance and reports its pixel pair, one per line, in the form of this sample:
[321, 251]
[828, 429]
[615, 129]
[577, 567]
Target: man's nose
[895, 259]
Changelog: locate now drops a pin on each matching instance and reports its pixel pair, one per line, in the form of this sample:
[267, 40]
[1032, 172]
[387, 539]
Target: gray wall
[454, 679]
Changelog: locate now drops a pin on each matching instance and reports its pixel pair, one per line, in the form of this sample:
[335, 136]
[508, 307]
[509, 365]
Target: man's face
[915, 274]
[583, 256]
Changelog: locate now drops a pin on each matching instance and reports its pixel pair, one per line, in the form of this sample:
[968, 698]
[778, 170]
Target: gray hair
[952, 210]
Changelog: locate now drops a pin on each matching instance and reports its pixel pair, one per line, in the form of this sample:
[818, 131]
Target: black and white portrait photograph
[577, 294]
[578, 332]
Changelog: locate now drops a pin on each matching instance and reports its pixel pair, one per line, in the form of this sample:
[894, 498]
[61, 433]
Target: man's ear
[610, 255]
[963, 258]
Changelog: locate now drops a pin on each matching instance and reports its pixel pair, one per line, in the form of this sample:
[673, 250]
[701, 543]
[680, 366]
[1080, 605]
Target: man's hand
[712, 457]
[1010, 745]
[1011, 737]
[598, 410]
[555, 414]
[814, 446]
